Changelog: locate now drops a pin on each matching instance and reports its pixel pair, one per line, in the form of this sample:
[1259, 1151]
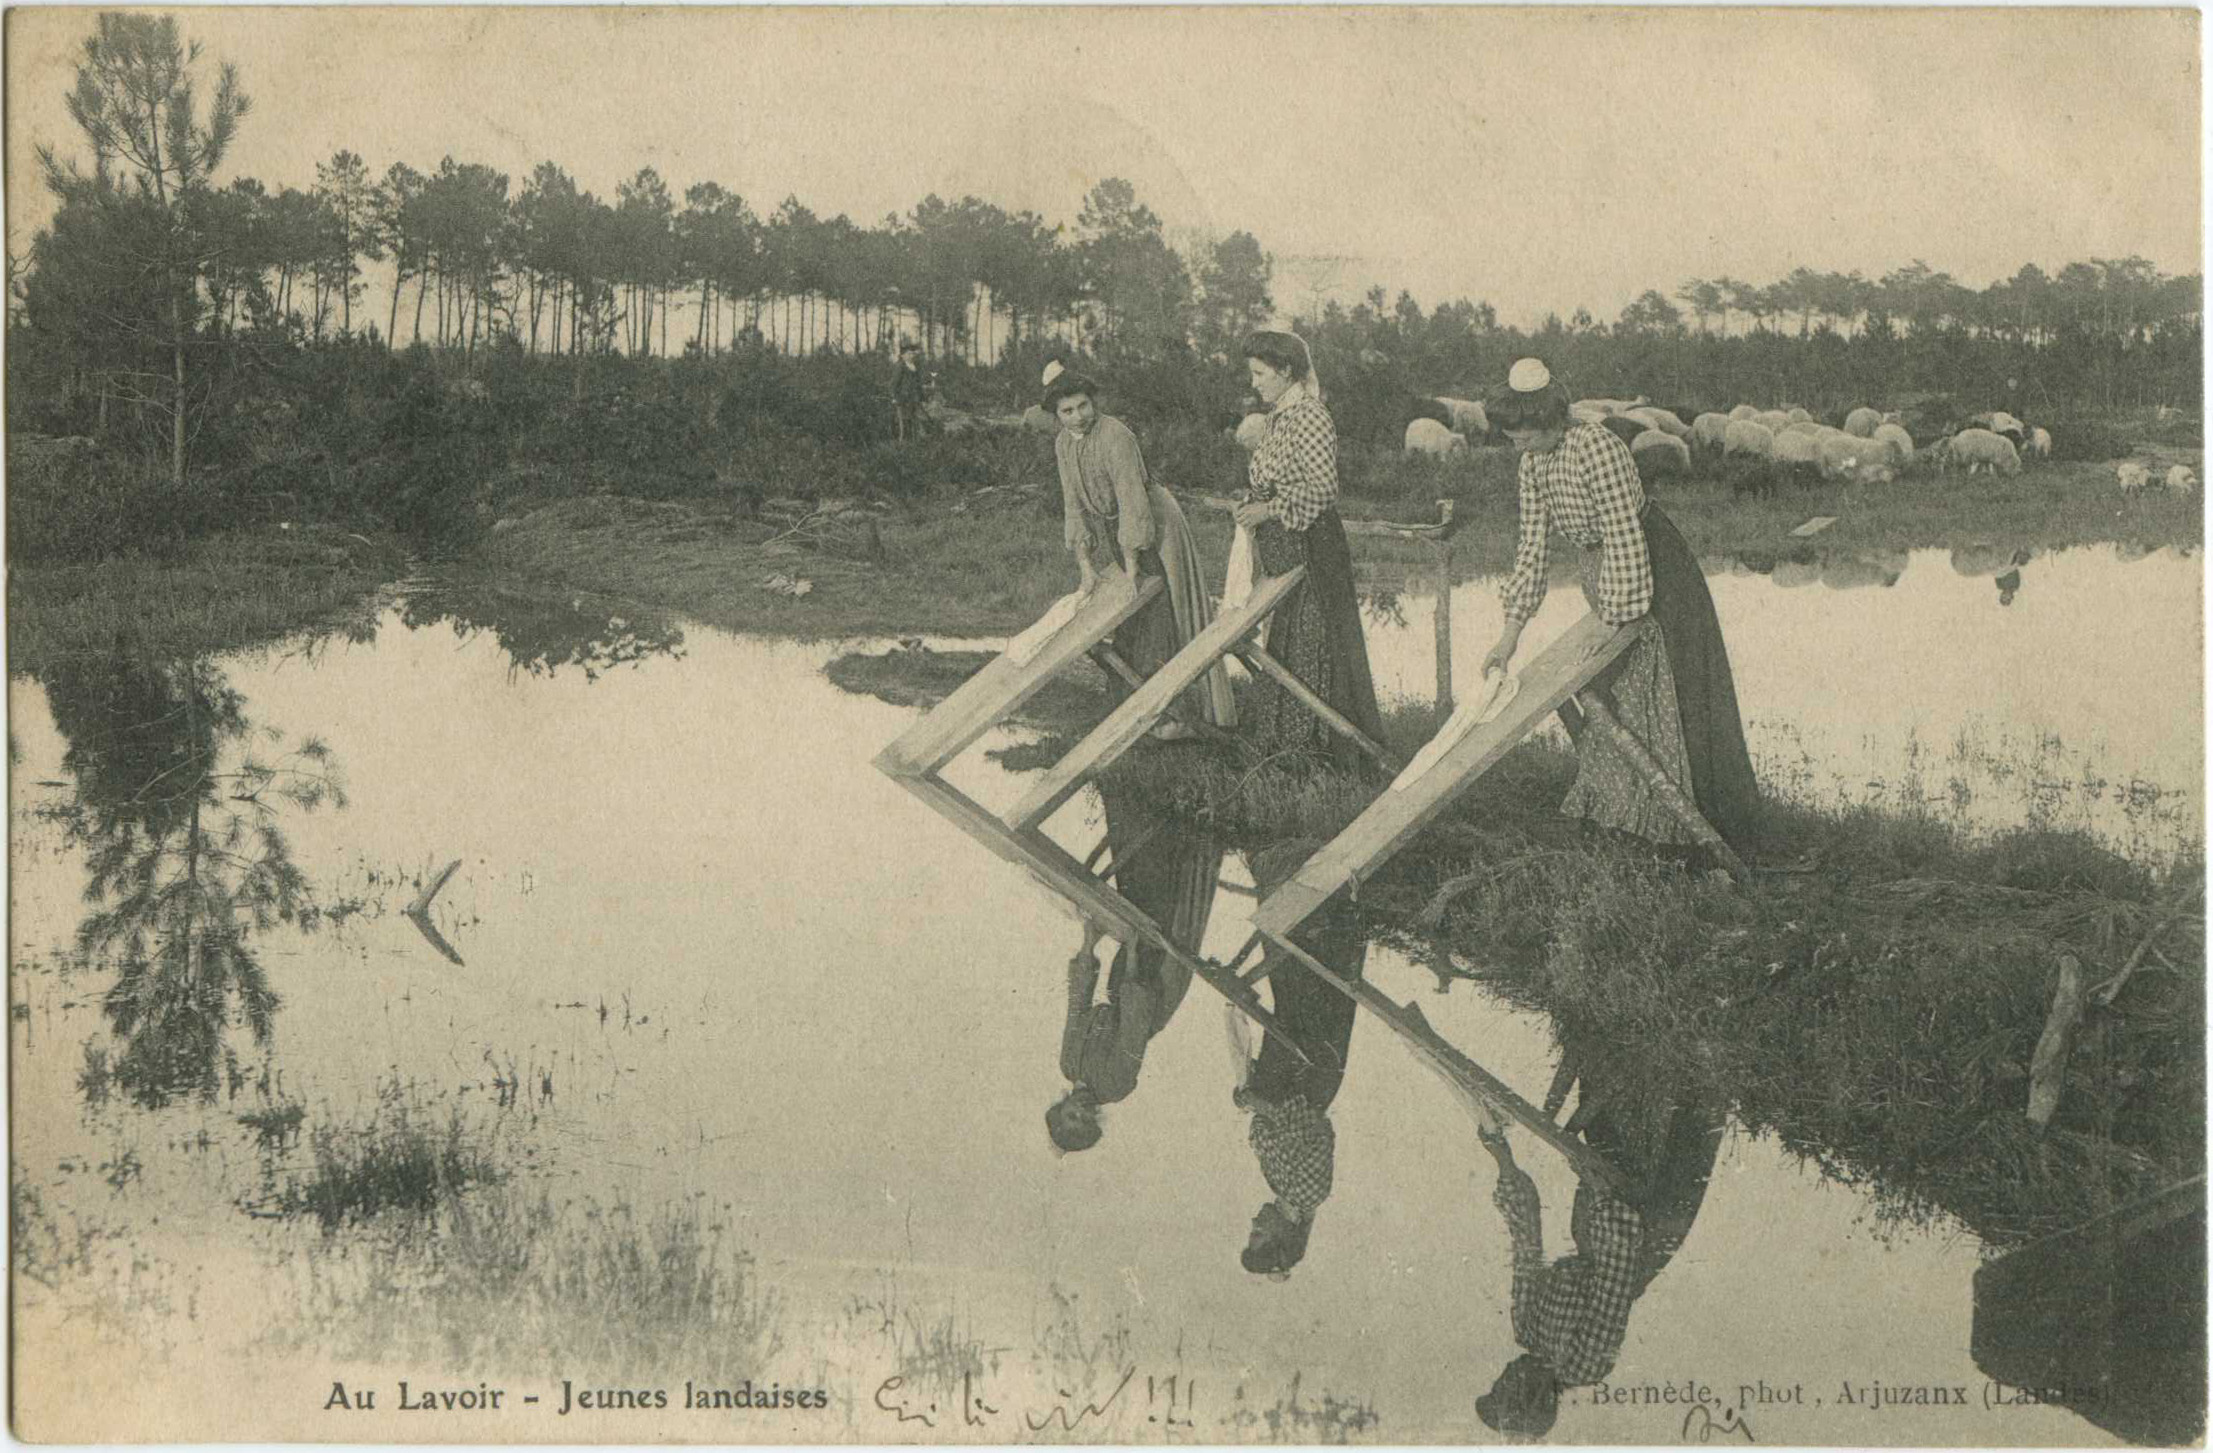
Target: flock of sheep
[1870, 447]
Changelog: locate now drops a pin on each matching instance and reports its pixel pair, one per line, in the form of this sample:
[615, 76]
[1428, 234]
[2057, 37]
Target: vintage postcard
[1098, 724]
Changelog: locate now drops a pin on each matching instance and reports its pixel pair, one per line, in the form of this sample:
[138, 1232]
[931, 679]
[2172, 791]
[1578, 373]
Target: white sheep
[1773, 420]
[1899, 442]
[1707, 431]
[1661, 419]
[2180, 480]
[1806, 427]
[1981, 449]
[1744, 411]
[1468, 417]
[1427, 436]
[1660, 455]
[2133, 475]
[1253, 428]
[1862, 421]
[1797, 414]
[1035, 418]
[1747, 437]
[1859, 461]
[1589, 411]
[1792, 447]
[2039, 445]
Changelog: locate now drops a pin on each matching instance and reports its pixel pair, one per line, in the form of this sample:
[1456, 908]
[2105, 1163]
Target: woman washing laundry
[1676, 695]
[1114, 513]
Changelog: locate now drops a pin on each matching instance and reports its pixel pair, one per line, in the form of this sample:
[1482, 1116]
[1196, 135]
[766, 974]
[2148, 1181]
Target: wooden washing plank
[1561, 670]
[1058, 867]
[986, 698]
[1413, 1030]
[1146, 705]
[1064, 875]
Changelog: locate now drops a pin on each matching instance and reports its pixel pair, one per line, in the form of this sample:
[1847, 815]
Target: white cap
[1528, 376]
[1053, 370]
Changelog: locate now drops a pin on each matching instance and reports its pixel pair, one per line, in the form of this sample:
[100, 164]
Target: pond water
[2001, 687]
[698, 952]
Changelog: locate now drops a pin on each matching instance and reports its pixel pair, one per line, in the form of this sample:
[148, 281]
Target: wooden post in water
[1444, 627]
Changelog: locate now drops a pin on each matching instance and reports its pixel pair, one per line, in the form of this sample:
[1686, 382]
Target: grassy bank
[1874, 996]
[988, 562]
[223, 592]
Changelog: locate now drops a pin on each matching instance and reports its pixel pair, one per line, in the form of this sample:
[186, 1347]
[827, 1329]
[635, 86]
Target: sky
[1539, 159]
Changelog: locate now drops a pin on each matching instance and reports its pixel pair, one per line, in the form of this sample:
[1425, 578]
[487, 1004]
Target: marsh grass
[404, 1159]
[506, 1279]
[224, 592]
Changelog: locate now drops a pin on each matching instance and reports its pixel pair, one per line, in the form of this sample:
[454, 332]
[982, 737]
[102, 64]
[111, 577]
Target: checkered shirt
[1297, 1147]
[1588, 488]
[1295, 467]
[1574, 1313]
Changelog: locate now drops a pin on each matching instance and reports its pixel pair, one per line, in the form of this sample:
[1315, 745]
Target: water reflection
[1288, 1091]
[2001, 564]
[2107, 1319]
[1571, 1316]
[185, 856]
[541, 634]
[1172, 877]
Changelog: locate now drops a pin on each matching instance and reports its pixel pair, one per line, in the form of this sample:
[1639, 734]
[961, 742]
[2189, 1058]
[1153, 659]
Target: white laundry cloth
[1485, 705]
[1024, 647]
[1237, 580]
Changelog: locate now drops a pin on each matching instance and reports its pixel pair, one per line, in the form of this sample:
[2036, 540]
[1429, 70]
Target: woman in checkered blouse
[1291, 510]
[1680, 701]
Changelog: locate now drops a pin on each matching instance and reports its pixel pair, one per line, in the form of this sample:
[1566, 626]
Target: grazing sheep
[1468, 418]
[2180, 479]
[1773, 420]
[1858, 461]
[2039, 445]
[1863, 422]
[1623, 427]
[1797, 414]
[1982, 449]
[2133, 475]
[1660, 455]
[1036, 419]
[1662, 419]
[2002, 424]
[1708, 430]
[1587, 411]
[1806, 427]
[1747, 437]
[1744, 411]
[1899, 442]
[1251, 430]
[1795, 448]
[1427, 436]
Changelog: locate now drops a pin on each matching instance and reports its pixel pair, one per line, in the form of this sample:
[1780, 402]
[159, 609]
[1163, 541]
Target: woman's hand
[1253, 512]
[1501, 655]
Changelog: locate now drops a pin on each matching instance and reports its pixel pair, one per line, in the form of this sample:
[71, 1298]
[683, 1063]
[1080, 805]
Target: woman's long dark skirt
[1315, 632]
[1722, 784]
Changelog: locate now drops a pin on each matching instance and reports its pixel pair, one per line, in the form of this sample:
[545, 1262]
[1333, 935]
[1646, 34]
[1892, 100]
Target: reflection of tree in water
[542, 635]
[185, 858]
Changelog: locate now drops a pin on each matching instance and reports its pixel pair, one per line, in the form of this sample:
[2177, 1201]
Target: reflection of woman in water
[1570, 1317]
[1170, 875]
[1289, 1098]
[1676, 695]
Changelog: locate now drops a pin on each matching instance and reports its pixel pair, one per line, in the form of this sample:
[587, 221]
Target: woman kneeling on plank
[1680, 701]
[1114, 512]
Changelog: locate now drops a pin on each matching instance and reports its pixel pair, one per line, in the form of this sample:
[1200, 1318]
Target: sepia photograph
[1110, 724]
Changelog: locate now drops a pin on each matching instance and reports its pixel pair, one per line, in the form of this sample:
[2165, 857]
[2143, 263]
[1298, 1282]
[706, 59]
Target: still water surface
[725, 959]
